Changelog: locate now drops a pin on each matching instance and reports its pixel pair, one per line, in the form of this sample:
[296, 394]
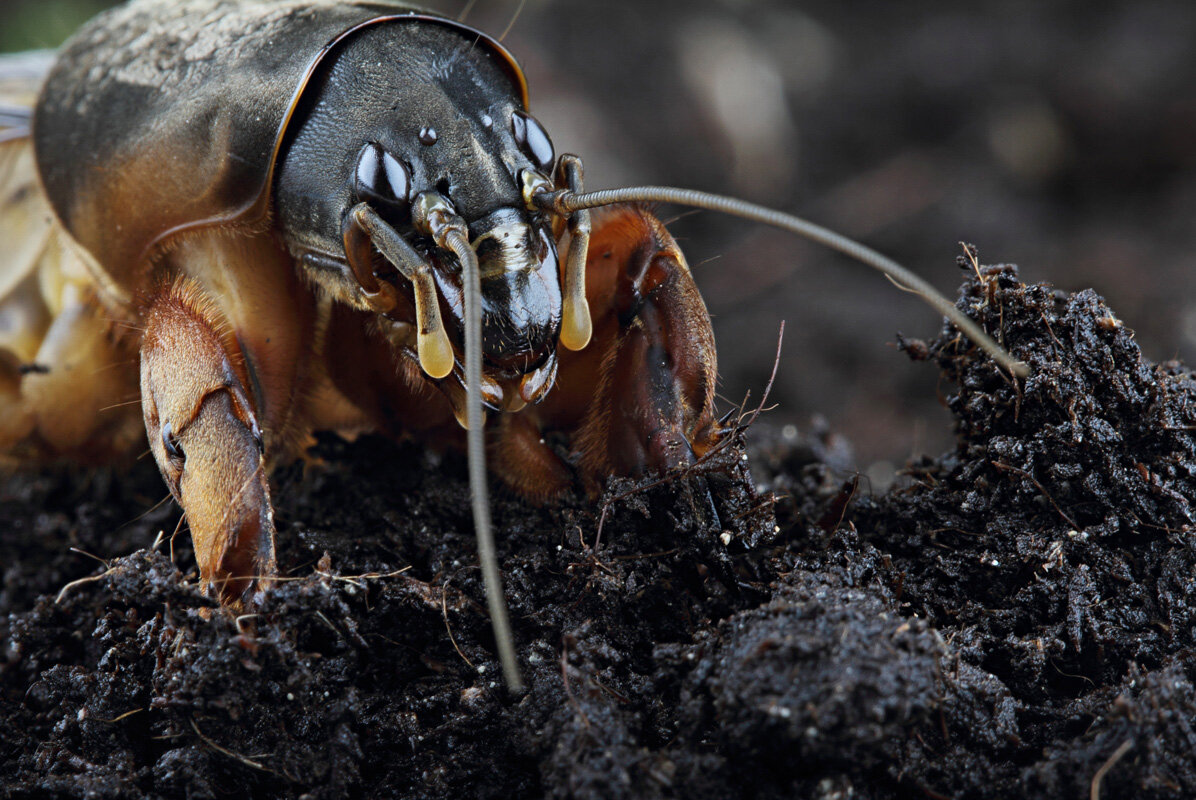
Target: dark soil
[1016, 621]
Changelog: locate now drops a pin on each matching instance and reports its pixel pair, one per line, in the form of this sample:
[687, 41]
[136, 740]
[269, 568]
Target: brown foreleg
[204, 434]
[640, 398]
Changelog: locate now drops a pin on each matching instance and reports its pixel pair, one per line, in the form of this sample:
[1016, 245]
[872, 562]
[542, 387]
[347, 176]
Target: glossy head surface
[408, 109]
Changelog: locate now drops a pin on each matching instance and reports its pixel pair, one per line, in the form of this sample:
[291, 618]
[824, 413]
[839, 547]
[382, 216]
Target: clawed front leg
[653, 406]
[205, 436]
[640, 397]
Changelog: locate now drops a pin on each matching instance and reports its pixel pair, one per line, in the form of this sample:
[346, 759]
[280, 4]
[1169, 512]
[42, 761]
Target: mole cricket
[268, 218]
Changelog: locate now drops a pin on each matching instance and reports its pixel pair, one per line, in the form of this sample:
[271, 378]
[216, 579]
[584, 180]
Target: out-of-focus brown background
[1060, 136]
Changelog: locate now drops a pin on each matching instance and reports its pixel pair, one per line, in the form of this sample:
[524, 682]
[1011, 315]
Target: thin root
[1094, 790]
[122, 716]
[453, 639]
[247, 761]
[89, 579]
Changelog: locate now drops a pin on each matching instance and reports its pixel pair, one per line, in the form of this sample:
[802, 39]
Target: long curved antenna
[458, 243]
[565, 202]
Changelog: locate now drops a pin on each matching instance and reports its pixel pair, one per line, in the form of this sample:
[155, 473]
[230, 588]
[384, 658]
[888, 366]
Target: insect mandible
[304, 215]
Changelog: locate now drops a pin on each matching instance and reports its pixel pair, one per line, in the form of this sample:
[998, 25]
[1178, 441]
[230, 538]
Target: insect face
[426, 129]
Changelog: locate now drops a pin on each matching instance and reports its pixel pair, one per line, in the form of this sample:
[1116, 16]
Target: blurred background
[1058, 136]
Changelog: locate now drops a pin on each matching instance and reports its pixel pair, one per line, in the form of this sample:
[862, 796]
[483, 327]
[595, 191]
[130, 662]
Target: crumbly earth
[1016, 620]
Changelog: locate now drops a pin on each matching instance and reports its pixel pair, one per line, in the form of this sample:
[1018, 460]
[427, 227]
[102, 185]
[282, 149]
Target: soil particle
[1011, 620]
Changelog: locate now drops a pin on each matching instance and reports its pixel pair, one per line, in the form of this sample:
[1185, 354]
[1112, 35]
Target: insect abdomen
[66, 367]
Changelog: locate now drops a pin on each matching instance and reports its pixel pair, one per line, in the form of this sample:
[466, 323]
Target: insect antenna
[458, 243]
[564, 202]
[434, 216]
[511, 24]
[461, 17]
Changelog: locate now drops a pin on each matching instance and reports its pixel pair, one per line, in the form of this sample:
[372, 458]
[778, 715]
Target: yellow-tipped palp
[576, 327]
[435, 352]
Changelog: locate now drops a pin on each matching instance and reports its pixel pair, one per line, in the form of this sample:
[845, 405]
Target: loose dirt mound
[1013, 622]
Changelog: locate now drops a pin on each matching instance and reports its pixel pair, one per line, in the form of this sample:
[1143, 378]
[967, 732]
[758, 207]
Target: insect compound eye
[171, 442]
[532, 139]
[384, 182]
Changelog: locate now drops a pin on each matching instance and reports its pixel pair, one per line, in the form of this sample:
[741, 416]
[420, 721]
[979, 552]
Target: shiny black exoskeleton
[391, 117]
